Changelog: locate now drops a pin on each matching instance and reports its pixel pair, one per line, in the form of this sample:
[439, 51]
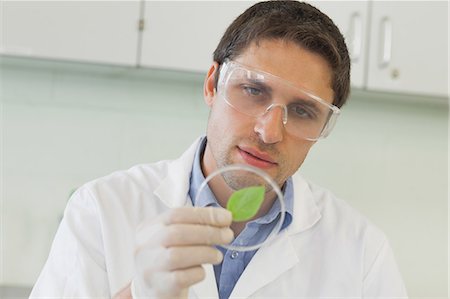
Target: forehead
[290, 62]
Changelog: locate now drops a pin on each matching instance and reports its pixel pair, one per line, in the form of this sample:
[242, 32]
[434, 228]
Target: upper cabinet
[91, 31]
[184, 34]
[351, 17]
[396, 46]
[409, 47]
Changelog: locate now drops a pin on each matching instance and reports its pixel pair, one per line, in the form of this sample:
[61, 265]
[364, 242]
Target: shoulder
[340, 231]
[340, 222]
[132, 195]
[125, 194]
[334, 208]
[146, 177]
[142, 177]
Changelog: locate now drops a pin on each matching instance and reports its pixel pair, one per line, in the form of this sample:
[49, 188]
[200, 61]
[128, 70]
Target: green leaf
[245, 203]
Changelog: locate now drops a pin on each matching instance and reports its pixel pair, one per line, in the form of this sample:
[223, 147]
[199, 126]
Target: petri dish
[239, 176]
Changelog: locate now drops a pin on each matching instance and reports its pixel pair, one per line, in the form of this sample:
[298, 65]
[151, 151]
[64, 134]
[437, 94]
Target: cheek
[225, 119]
[297, 154]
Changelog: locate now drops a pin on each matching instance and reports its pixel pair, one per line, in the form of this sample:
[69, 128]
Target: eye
[302, 111]
[252, 91]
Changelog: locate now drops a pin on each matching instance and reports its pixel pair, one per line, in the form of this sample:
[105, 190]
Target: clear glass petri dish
[270, 182]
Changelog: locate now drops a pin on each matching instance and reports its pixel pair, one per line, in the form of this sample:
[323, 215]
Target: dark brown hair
[293, 21]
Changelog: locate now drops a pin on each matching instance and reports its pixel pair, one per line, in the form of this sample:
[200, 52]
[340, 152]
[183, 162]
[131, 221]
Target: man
[280, 74]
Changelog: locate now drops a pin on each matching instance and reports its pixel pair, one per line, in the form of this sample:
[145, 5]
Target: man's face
[234, 137]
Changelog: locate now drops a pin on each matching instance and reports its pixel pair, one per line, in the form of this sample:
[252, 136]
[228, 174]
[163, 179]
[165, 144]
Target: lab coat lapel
[276, 258]
[266, 265]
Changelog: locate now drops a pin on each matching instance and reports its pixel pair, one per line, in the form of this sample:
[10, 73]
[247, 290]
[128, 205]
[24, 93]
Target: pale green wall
[64, 124]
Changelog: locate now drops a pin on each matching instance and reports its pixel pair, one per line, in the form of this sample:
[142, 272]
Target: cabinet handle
[356, 29]
[386, 42]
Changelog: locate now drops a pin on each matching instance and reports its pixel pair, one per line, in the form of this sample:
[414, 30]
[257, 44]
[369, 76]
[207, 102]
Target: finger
[181, 279]
[194, 234]
[151, 260]
[148, 233]
[210, 216]
[150, 228]
[177, 258]
[173, 283]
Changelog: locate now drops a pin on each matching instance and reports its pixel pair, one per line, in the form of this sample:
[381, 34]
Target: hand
[172, 248]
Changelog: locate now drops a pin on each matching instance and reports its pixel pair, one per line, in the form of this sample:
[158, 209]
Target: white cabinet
[397, 46]
[91, 31]
[409, 47]
[184, 34]
[352, 19]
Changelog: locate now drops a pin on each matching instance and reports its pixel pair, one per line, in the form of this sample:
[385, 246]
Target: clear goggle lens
[253, 92]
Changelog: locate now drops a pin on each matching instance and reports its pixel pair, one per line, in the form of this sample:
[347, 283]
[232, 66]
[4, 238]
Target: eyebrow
[260, 84]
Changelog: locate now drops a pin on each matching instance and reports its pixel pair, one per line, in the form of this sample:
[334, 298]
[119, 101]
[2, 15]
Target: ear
[209, 89]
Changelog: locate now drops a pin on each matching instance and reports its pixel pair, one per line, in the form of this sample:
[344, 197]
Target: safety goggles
[255, 93]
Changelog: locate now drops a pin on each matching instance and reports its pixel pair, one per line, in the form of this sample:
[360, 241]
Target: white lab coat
[329, 250]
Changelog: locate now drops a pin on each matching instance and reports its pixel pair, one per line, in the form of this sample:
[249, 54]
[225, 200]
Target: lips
[256, 158]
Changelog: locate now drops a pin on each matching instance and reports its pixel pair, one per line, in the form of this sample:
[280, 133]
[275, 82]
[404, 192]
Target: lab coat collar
[306, 211]
[174, 187]
[278, 256]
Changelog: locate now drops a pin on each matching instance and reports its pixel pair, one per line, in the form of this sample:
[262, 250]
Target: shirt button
[234, 254]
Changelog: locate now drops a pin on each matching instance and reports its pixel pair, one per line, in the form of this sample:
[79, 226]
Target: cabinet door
[183, 34]
[409, 46]
[352, 19]
[92, 31]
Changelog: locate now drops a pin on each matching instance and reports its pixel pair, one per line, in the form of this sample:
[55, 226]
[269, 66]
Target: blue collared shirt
[255, 232]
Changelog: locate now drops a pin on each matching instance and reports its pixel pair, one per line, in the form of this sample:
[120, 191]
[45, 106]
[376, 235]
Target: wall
[64, 124]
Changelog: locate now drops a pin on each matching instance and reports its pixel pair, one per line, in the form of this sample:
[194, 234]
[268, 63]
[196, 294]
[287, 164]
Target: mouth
[256, 158]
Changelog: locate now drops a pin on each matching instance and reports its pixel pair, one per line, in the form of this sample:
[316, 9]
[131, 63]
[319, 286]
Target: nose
[270, 125]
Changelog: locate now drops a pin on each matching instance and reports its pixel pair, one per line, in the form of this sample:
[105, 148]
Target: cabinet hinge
[141, 25]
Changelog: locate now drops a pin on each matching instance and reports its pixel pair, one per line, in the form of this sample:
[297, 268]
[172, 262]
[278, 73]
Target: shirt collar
[208, 198]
